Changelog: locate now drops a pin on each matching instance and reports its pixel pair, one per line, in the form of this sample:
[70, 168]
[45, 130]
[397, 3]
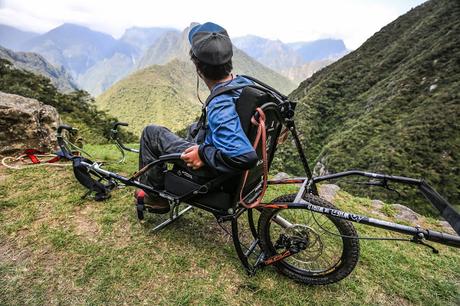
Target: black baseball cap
[210, 43]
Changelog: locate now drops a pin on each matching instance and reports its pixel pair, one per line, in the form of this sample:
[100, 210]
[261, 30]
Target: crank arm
[275, 258]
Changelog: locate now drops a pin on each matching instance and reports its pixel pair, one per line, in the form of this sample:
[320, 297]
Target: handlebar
[170, 157]
[60, 140]
[65, 127]
[116, 124]
[118, 142]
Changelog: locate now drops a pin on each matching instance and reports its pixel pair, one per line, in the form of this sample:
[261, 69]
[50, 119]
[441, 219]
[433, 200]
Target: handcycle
[305, 237]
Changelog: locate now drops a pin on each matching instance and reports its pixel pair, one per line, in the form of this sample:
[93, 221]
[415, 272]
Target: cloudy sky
[288, 20]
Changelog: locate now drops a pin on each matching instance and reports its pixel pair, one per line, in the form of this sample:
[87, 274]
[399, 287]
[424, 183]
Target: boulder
[447, 228]
[26, 123]
[405, 213]
[328, 191]
[281, 176]
[376, 206]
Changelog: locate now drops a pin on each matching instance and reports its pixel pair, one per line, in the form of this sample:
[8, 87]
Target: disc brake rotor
[314, 245]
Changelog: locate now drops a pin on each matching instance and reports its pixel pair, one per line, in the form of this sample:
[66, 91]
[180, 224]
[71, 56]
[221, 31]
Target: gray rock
[328, 191]
[405, 213]
[320, 168]
[446, 227]
[26, 123]
[281, 176]
[433, 87]
[377, 204]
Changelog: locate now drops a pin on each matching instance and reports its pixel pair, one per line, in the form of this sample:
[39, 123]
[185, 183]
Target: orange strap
[261, 136]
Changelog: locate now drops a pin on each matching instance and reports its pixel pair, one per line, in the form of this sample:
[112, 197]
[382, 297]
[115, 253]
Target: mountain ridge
[390, 106]
[38, 65]
[298, 60]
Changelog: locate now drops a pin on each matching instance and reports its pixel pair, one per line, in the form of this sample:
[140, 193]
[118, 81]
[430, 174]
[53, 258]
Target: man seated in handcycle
[219, 145]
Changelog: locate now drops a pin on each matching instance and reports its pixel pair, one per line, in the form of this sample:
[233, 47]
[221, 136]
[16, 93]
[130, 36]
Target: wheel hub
[305, 240]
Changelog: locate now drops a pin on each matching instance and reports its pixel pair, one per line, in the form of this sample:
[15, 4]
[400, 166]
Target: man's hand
[192, 158]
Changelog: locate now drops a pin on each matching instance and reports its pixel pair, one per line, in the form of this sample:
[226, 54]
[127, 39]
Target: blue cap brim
[205, 27]
[192, 32]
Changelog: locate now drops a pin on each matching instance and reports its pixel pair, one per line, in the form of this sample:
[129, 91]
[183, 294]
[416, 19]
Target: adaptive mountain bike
[302, 235]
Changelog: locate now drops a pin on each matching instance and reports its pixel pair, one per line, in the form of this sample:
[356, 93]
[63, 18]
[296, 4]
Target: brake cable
[414, 239]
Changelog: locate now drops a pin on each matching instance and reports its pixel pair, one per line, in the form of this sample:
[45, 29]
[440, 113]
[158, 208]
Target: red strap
[32, 157]
[54, 159]
[261, 135]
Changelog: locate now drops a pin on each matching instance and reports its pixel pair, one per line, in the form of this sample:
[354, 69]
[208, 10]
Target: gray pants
[158, 140]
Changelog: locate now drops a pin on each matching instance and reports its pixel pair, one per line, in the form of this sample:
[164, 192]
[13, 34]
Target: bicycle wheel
[325, 258]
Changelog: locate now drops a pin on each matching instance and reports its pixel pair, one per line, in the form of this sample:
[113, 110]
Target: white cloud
[288, 20]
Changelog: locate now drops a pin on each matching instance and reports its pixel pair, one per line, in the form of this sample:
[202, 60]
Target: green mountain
[37, 64]
[391, 106]
[160, 94]
[76, 108]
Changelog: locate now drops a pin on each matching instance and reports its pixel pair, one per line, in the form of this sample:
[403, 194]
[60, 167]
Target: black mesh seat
[225, 196]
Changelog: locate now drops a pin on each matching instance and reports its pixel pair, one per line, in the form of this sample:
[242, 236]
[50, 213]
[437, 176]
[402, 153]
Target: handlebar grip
[116, 124]
[168, 157]
[65, 127]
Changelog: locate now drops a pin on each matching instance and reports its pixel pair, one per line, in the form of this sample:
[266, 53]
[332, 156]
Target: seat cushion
[179, 184]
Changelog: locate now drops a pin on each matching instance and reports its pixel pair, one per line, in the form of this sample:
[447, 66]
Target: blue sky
[288, 20]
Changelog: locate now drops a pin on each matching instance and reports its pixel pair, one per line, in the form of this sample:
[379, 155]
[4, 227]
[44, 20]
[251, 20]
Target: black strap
[207, 187]
[264, 85]
[83, 175]
[258, 85]
[201, 122]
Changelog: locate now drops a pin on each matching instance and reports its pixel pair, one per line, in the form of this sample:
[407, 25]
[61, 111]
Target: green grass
[56, 248]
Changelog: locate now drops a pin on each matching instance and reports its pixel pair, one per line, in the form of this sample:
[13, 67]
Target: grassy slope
[160, 94]
[58, 249]
[374, 109]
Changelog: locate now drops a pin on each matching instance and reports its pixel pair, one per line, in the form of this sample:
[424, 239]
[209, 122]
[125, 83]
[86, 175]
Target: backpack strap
[218, 92]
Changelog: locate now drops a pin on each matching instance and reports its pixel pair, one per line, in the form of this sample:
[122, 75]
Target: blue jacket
[226, 147]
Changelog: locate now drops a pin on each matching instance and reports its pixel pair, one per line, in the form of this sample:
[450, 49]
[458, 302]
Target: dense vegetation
[76, 108]
[391, 106]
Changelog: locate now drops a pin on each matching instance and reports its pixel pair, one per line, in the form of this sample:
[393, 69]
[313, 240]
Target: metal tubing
[171, 219]
[252, 247]
[399, 179]
[282, 222]
[303, 158]
[239, 251]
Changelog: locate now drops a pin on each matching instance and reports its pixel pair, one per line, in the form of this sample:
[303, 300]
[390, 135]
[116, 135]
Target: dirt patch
[122, 233]
[85, 225]
[11, 253]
